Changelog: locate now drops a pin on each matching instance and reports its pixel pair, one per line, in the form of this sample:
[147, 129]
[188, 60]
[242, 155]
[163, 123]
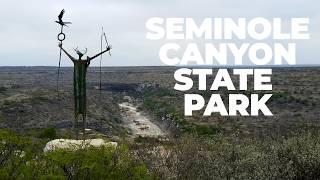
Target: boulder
[72, 144]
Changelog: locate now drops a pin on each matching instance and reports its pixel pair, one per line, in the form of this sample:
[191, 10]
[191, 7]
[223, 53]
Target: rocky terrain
[29, 100]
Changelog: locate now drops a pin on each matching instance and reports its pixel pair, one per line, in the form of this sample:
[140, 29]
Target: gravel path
[139, 124]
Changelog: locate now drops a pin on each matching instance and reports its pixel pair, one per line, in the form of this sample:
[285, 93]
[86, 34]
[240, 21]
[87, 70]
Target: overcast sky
[28, 32]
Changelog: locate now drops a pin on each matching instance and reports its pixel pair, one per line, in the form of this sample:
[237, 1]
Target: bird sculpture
[60, 19]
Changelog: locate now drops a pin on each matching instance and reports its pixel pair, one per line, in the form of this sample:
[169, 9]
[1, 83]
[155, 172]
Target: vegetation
[23, 158]
[3, 89]
[229, 157]
[49, 133]
[154, 101]
[205, 150]
[188, 157]
[285, 146]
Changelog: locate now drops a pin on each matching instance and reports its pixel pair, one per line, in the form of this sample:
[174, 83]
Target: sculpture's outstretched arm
[72, 58]
[108, 49]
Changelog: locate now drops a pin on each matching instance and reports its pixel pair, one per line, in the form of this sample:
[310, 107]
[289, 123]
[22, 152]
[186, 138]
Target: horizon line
[201, 66]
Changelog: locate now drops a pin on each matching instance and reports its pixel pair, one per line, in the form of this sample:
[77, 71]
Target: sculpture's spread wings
[61, 15]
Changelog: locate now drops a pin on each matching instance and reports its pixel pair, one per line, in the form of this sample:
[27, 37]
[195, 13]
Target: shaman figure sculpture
[79, 76]
[79, 84]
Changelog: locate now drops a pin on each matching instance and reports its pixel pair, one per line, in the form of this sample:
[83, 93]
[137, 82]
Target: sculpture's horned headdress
[81, 53]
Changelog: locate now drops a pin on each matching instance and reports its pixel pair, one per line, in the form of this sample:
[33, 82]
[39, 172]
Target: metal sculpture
[79, 77]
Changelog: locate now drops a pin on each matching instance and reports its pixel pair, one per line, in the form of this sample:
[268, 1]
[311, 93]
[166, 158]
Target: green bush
[230, 157]
[3, 89]
[219, 156]
[23, 158]
[49, 133]
[96, 163]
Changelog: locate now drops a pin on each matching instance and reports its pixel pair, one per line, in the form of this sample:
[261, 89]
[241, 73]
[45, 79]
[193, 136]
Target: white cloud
[28, 33]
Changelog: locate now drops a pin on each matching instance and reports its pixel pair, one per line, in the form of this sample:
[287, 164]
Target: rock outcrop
[71, 144]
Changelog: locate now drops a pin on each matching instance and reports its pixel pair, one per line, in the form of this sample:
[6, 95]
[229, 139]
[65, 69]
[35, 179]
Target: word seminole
[188, 33]
[227, 29]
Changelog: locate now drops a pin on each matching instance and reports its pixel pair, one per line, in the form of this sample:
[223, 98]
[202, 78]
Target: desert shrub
[49, 133]
[219, 156]
[97, 163]
[200, 130]
[39, 98]
[149, 104]
[2, 118]
[230, 157]
[157, 92]
[3, 89]
[15, 152]
[23, 158]
[8, 103]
